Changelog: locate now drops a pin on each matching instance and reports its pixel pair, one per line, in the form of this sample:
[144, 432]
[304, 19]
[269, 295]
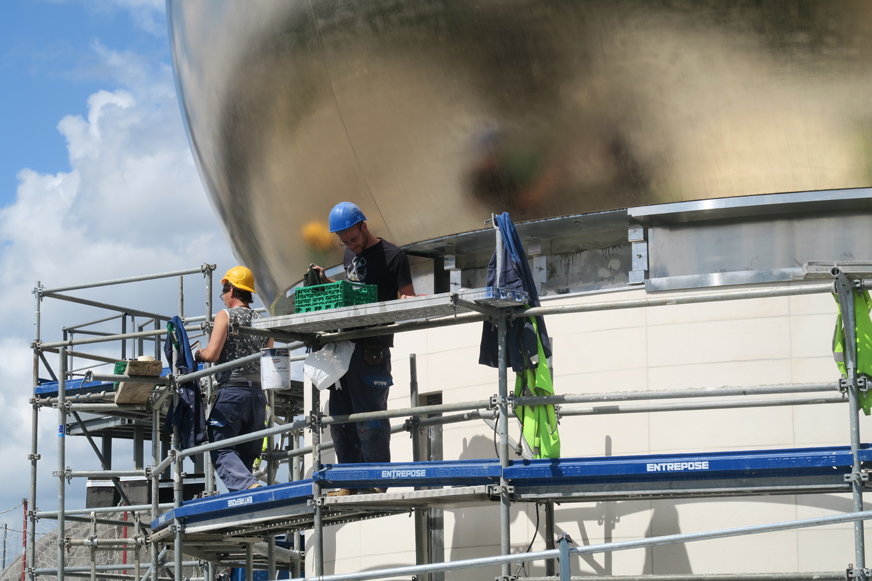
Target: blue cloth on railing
[516, 276]
[189, 415]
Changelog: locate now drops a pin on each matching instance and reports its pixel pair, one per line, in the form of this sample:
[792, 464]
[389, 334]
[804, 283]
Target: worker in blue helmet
[344, 215]
[366, 384]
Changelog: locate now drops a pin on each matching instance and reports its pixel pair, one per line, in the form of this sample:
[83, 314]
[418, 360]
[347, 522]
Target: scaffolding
[240, 529]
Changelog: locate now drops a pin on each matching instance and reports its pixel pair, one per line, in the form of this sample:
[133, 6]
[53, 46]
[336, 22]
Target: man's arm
[408, 291]
[403, 273]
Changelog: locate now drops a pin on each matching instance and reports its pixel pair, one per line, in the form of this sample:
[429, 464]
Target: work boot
[255, 485]
[343, 492]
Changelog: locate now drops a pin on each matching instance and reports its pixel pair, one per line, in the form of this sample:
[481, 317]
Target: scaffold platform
[245, 528]
[410, 309]
[289, 506]
[75, 387]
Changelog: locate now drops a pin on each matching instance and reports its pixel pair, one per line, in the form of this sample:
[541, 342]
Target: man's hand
[407, 292]
[321, 273]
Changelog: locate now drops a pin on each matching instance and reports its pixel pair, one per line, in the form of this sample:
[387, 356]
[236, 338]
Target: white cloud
[146, 14]
[131, 204]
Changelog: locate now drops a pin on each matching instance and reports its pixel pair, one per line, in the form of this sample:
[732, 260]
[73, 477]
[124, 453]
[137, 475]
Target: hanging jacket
[189, 415]
[522, 336]
[862, 306]
[539, 422]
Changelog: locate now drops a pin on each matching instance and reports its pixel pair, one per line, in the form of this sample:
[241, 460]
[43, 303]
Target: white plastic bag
[327, 365]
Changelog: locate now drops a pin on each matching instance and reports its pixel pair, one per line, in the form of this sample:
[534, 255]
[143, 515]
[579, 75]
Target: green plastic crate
[333, 295]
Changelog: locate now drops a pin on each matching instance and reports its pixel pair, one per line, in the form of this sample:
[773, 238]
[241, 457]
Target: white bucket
[275, 369]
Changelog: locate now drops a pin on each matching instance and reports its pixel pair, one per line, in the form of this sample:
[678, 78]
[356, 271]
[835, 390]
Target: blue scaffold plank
[71, 388]
[787, 463]
[437, 473]
[698, 466]
[245, 501]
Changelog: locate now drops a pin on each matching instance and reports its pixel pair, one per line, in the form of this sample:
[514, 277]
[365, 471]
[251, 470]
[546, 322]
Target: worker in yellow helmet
[240, 407]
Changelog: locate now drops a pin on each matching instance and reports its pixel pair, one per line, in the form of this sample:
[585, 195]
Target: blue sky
[97, 181]
[48, 68]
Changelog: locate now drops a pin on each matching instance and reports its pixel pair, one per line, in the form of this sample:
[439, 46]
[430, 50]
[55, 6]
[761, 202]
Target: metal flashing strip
[835, 460]
[750, 206]
[435, 473]
[715, 279]
[425, 307]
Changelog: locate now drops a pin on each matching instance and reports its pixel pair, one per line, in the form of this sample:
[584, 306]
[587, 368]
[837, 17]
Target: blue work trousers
[238, 410]
[365, 388]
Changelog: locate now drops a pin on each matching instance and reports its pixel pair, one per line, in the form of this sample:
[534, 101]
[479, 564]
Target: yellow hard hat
[241, 278]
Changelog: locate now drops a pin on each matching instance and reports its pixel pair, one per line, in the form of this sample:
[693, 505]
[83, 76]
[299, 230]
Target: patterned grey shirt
[236, 346]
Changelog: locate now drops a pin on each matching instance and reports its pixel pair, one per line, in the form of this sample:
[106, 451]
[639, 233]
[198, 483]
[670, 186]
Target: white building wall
[752, 342]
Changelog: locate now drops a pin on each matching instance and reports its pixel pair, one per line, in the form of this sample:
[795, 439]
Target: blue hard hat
[344, 215]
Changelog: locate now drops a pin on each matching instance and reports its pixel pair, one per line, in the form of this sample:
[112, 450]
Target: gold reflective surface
[432, 114]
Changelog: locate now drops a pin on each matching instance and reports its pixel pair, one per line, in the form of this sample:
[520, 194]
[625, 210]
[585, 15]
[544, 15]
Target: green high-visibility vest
[539, 422]
[862, 306]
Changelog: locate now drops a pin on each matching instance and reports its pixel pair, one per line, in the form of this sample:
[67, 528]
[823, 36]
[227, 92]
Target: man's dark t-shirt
[384, 265]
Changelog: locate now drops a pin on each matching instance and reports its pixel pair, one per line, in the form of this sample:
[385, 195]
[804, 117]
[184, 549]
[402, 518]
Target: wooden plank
[137, 392]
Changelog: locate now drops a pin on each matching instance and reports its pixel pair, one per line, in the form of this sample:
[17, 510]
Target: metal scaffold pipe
[274, 431]
[398, 413]
[395, 429]
[30, 537]
[594, 549]
[62, 426]
[703, 405]
[51, 514]
[91, 377]
[106, 473]
[155, 487]
[694, 392]
[503, 429]
[94, 542]
[845, 294]
[225, 366]
[90, 323]
[318, 529]
[81, 355]
[201, 269]
[109, 338]
[210, 386]
[102, 521]
[96, 397]
[53, 571]
[102, 305]
[822, 576]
